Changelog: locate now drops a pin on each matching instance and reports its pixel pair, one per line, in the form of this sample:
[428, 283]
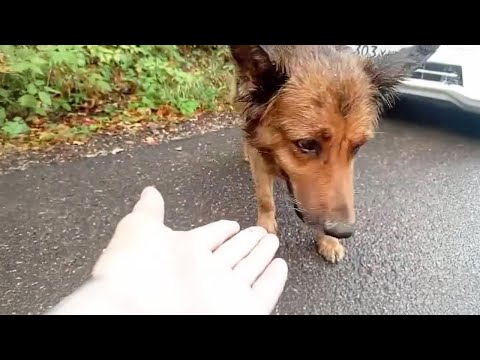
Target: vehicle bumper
[454, 94]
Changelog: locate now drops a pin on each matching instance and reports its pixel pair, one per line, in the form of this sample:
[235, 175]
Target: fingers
[151, 202]
[270, 284]
[216, 233]
[146, 218]
[239, 246]
[250, 268]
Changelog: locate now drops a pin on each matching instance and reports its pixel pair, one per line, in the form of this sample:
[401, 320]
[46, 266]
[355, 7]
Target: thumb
[152, 203]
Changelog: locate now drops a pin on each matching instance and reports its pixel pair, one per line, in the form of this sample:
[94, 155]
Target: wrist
[94, 297]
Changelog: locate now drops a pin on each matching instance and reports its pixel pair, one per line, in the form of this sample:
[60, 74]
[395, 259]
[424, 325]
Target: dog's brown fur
[308, 109]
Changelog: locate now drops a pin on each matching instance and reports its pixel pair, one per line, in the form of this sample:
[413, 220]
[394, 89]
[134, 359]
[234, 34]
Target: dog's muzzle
[338, 230]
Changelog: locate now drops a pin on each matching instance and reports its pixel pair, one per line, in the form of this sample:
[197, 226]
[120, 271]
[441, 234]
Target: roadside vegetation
[64, 93]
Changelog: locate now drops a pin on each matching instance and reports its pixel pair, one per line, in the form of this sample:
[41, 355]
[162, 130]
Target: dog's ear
[260, 76]
[387, 71]
[260, 79]
[253, 61]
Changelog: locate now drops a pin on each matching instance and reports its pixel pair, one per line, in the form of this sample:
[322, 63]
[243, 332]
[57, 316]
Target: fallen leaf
[165, 111]
[150, 140]
[117, 150]
[145, 111]
[62, 128]
[102, 152]
[153, 129]
[136, 119]
[88, 121]
[46, 136]
[38, 121]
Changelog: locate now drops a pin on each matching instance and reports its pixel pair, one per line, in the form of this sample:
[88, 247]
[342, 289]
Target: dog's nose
[338, 230]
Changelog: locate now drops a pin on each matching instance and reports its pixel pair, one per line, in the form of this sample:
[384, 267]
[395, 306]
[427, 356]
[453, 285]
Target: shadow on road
[434, 114]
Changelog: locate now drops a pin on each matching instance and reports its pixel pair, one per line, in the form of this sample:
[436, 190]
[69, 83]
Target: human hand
[150, 269]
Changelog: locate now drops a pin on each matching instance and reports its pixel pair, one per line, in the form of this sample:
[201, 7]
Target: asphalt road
[416, 249]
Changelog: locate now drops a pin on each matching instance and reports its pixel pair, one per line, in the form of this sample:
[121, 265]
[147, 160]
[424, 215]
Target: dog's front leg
[245, 151]
[330, 248]
[264, 190]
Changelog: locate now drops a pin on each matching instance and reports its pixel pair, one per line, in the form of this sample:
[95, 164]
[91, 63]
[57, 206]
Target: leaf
[40, 111]
[37, 60]
[4, 93]
[36, 69]
[20, 67]
[52, 90]
[88, 121]
[101, 152]
[3, 115]
[188, 107]
[46, 47]
[15, 128]
[27, 101]
[147, 102]
[150, 140]
[32, 89]
[46, 136]
[45, 97]
[38, 122]
[104, 86]
[117, 150]
[66, 106]
[164, 111]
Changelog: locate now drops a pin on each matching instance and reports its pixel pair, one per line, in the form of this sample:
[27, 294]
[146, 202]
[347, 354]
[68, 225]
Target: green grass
[43, 84]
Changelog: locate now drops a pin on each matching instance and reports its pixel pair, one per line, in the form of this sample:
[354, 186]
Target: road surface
[416, 249]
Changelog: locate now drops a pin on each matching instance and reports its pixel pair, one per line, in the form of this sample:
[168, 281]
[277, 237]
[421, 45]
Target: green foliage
[15, 128]
[47, 80]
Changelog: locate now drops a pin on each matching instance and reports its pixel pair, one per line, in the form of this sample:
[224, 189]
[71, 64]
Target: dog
[307, 111]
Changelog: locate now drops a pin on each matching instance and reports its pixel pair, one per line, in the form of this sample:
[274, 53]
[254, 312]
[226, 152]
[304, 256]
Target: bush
[48, 81]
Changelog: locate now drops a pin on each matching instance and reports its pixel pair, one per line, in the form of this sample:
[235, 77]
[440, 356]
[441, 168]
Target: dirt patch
[104, 144]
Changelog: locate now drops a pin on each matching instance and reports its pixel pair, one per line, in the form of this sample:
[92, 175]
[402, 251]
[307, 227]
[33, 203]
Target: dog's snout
[338, 230]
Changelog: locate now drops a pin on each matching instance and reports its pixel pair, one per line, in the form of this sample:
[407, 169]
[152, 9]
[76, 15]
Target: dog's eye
[308, 145]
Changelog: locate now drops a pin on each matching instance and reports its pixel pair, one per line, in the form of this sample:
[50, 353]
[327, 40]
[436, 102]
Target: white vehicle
[451, 74]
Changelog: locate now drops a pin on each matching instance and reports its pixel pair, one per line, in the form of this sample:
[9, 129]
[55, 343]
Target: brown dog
[308, 109]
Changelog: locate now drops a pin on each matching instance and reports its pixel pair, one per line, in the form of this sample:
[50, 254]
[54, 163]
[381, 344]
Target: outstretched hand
[150, 269]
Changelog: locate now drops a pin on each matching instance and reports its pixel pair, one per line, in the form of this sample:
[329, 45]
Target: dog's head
[308, 111]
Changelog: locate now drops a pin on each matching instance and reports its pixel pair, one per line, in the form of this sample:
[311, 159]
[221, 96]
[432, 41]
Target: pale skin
[327, 246]
[149, 268]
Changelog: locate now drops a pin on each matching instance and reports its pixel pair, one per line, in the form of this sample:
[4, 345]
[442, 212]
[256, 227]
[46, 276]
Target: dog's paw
[268, 223]
[330, 248]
